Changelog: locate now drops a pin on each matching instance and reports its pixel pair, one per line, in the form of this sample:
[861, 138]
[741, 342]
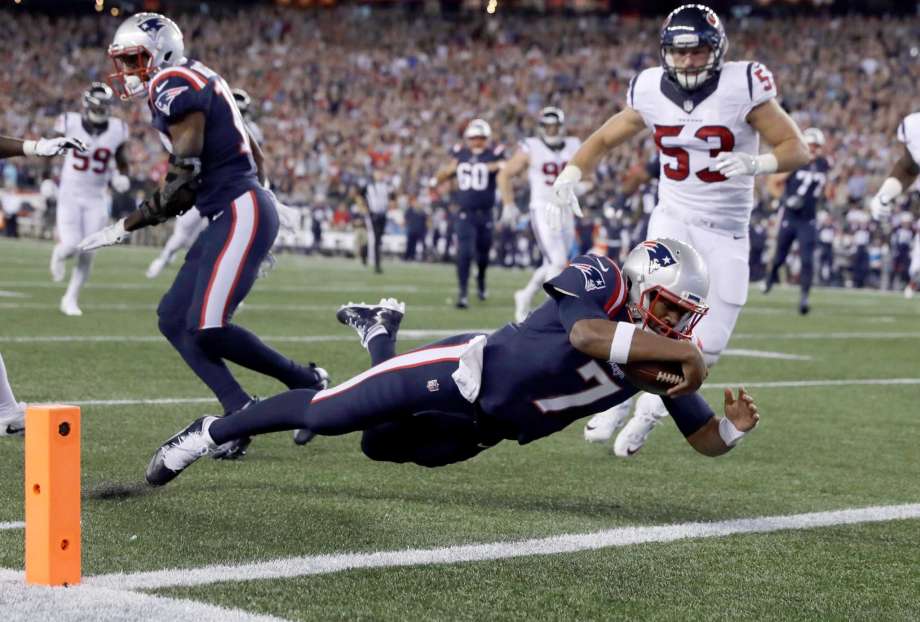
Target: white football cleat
[58, 268]
[13, 420]
[909, 291]
[650, 411]
[600, 427]
[155, 268]
[180, 451]
[521, 305]
[69, 307]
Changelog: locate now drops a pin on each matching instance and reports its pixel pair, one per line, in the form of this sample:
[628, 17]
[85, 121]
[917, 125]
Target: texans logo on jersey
[165, 99]
[659, 255]
[594, 279]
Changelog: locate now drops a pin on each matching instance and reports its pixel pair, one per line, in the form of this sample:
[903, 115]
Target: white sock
[79, 275]
[7, 399]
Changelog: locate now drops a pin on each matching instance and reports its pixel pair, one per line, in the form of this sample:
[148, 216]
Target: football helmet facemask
[692, 26]
[243, 101]
[551, 126]
[670, 271]
[97, 103]
[142, 45]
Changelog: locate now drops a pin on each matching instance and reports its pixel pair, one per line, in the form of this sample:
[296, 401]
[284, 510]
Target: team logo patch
[433, 386]
[152, 26]
[659, 255]
[165, 99]
[594, 278]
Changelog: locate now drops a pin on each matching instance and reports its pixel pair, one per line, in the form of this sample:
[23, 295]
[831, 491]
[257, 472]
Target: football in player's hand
[653, 376]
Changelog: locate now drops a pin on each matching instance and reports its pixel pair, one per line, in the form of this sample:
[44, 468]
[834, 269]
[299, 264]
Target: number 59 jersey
[692, 127]
[545, 164]
[86, 174]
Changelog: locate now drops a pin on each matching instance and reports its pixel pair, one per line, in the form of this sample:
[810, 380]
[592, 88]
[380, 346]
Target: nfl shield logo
[688, 105]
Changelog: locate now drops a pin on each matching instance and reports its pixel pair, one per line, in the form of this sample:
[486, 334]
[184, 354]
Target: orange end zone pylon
[52, 490]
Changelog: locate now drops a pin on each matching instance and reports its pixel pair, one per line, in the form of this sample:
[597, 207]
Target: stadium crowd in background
[335, 105]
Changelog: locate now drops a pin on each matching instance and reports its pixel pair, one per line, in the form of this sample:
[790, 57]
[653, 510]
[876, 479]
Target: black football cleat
[304, 436]
[483, 294]
[372, 320]
[463, 302]
[176, 454]
[804, 307]
[235, 449]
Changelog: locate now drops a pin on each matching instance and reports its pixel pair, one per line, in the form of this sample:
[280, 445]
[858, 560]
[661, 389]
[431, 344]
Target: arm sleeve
[590, 287]
[60, 124]
[690, 412]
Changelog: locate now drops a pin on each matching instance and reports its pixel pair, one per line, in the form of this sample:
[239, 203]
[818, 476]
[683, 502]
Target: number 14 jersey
[691, 128]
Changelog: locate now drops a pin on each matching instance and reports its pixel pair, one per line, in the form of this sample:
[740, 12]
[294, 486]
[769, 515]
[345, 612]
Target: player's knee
[209, 339]
[169, 325]
[377, 444]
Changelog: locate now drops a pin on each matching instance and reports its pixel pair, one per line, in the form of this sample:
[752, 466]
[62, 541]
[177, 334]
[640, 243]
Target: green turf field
[822, 446]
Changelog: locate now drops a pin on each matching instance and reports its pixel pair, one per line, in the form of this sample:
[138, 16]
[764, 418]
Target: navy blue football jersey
[804, 189]
[227, 166]
[536, 383]
[475, 183]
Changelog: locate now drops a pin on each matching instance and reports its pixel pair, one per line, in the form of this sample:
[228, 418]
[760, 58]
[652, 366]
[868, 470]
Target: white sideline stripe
[77, 603]
[19, 525]
[781, 384]
[573, 543]
[8, 294]
[764, 354]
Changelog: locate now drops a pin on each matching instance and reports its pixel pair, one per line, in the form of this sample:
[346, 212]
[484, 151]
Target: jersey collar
[688, 100]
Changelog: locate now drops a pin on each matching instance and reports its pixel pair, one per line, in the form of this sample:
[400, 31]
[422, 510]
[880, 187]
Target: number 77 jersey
[691, 128]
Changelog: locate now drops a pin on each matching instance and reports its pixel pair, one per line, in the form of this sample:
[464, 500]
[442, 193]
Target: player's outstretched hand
[562, 201]
[113, 234]
[694, 371]
[510, 214]
[742, 412]
[48, 147]
[735, 163]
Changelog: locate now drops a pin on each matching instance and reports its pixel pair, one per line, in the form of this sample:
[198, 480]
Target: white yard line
[624, 536]
[13, 525]
[832, 335]
[162, 286]
[26, 603]
[765, 354]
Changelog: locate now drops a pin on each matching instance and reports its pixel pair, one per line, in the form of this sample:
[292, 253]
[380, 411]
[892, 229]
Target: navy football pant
[408, 407]
[805, 232]
[474, 236]
[219, 270]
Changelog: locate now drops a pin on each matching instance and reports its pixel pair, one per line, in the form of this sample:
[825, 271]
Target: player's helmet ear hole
[167, 56]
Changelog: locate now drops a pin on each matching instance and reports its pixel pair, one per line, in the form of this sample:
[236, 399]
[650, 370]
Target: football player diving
[448, 401]
[217, 166]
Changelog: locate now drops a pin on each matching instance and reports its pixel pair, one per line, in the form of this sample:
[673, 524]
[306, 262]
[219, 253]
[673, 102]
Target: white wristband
[765, 164]
[28, 147]
[891, 188]
[571, 174]
[729, 433]
[621, 343]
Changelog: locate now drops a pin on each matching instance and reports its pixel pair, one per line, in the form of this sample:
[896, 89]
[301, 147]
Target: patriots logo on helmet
[659, 255]
[165, 99]
[594, 279]
[152, 25]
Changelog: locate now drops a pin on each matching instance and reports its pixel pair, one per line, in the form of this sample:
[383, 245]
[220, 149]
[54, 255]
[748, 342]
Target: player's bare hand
[694, 370]
[741, 411]
[735, 163]
[113, 234]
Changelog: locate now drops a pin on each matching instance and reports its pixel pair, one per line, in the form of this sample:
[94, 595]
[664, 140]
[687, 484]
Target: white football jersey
[690, 129]
[909, 134]
[545, 164]
[89, 172]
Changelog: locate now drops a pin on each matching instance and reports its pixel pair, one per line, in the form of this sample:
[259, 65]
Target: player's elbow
[800, 153]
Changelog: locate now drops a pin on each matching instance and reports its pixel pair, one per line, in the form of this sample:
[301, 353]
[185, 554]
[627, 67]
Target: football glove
[736, 163]
[121, 183]
[883, 201]
[113, 234]
[510, 214]
[564, 197]
[48, 147]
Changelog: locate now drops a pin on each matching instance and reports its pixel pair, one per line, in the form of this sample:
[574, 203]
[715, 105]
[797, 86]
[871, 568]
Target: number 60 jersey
[86, 174]
[691, 128]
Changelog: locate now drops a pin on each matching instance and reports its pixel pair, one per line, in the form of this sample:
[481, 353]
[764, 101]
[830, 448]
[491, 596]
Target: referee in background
[376, 196]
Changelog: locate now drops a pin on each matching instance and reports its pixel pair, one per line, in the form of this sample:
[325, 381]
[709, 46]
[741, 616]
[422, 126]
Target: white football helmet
[142, 45]
[672, 271]
[552, 124]
[243, 101]
[814, 136]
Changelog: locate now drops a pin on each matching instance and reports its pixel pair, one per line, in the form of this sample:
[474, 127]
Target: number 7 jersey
[691, 128]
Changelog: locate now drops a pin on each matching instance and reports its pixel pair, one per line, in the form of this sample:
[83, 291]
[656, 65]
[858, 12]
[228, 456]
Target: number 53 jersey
[691, 128]
[85, 175]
